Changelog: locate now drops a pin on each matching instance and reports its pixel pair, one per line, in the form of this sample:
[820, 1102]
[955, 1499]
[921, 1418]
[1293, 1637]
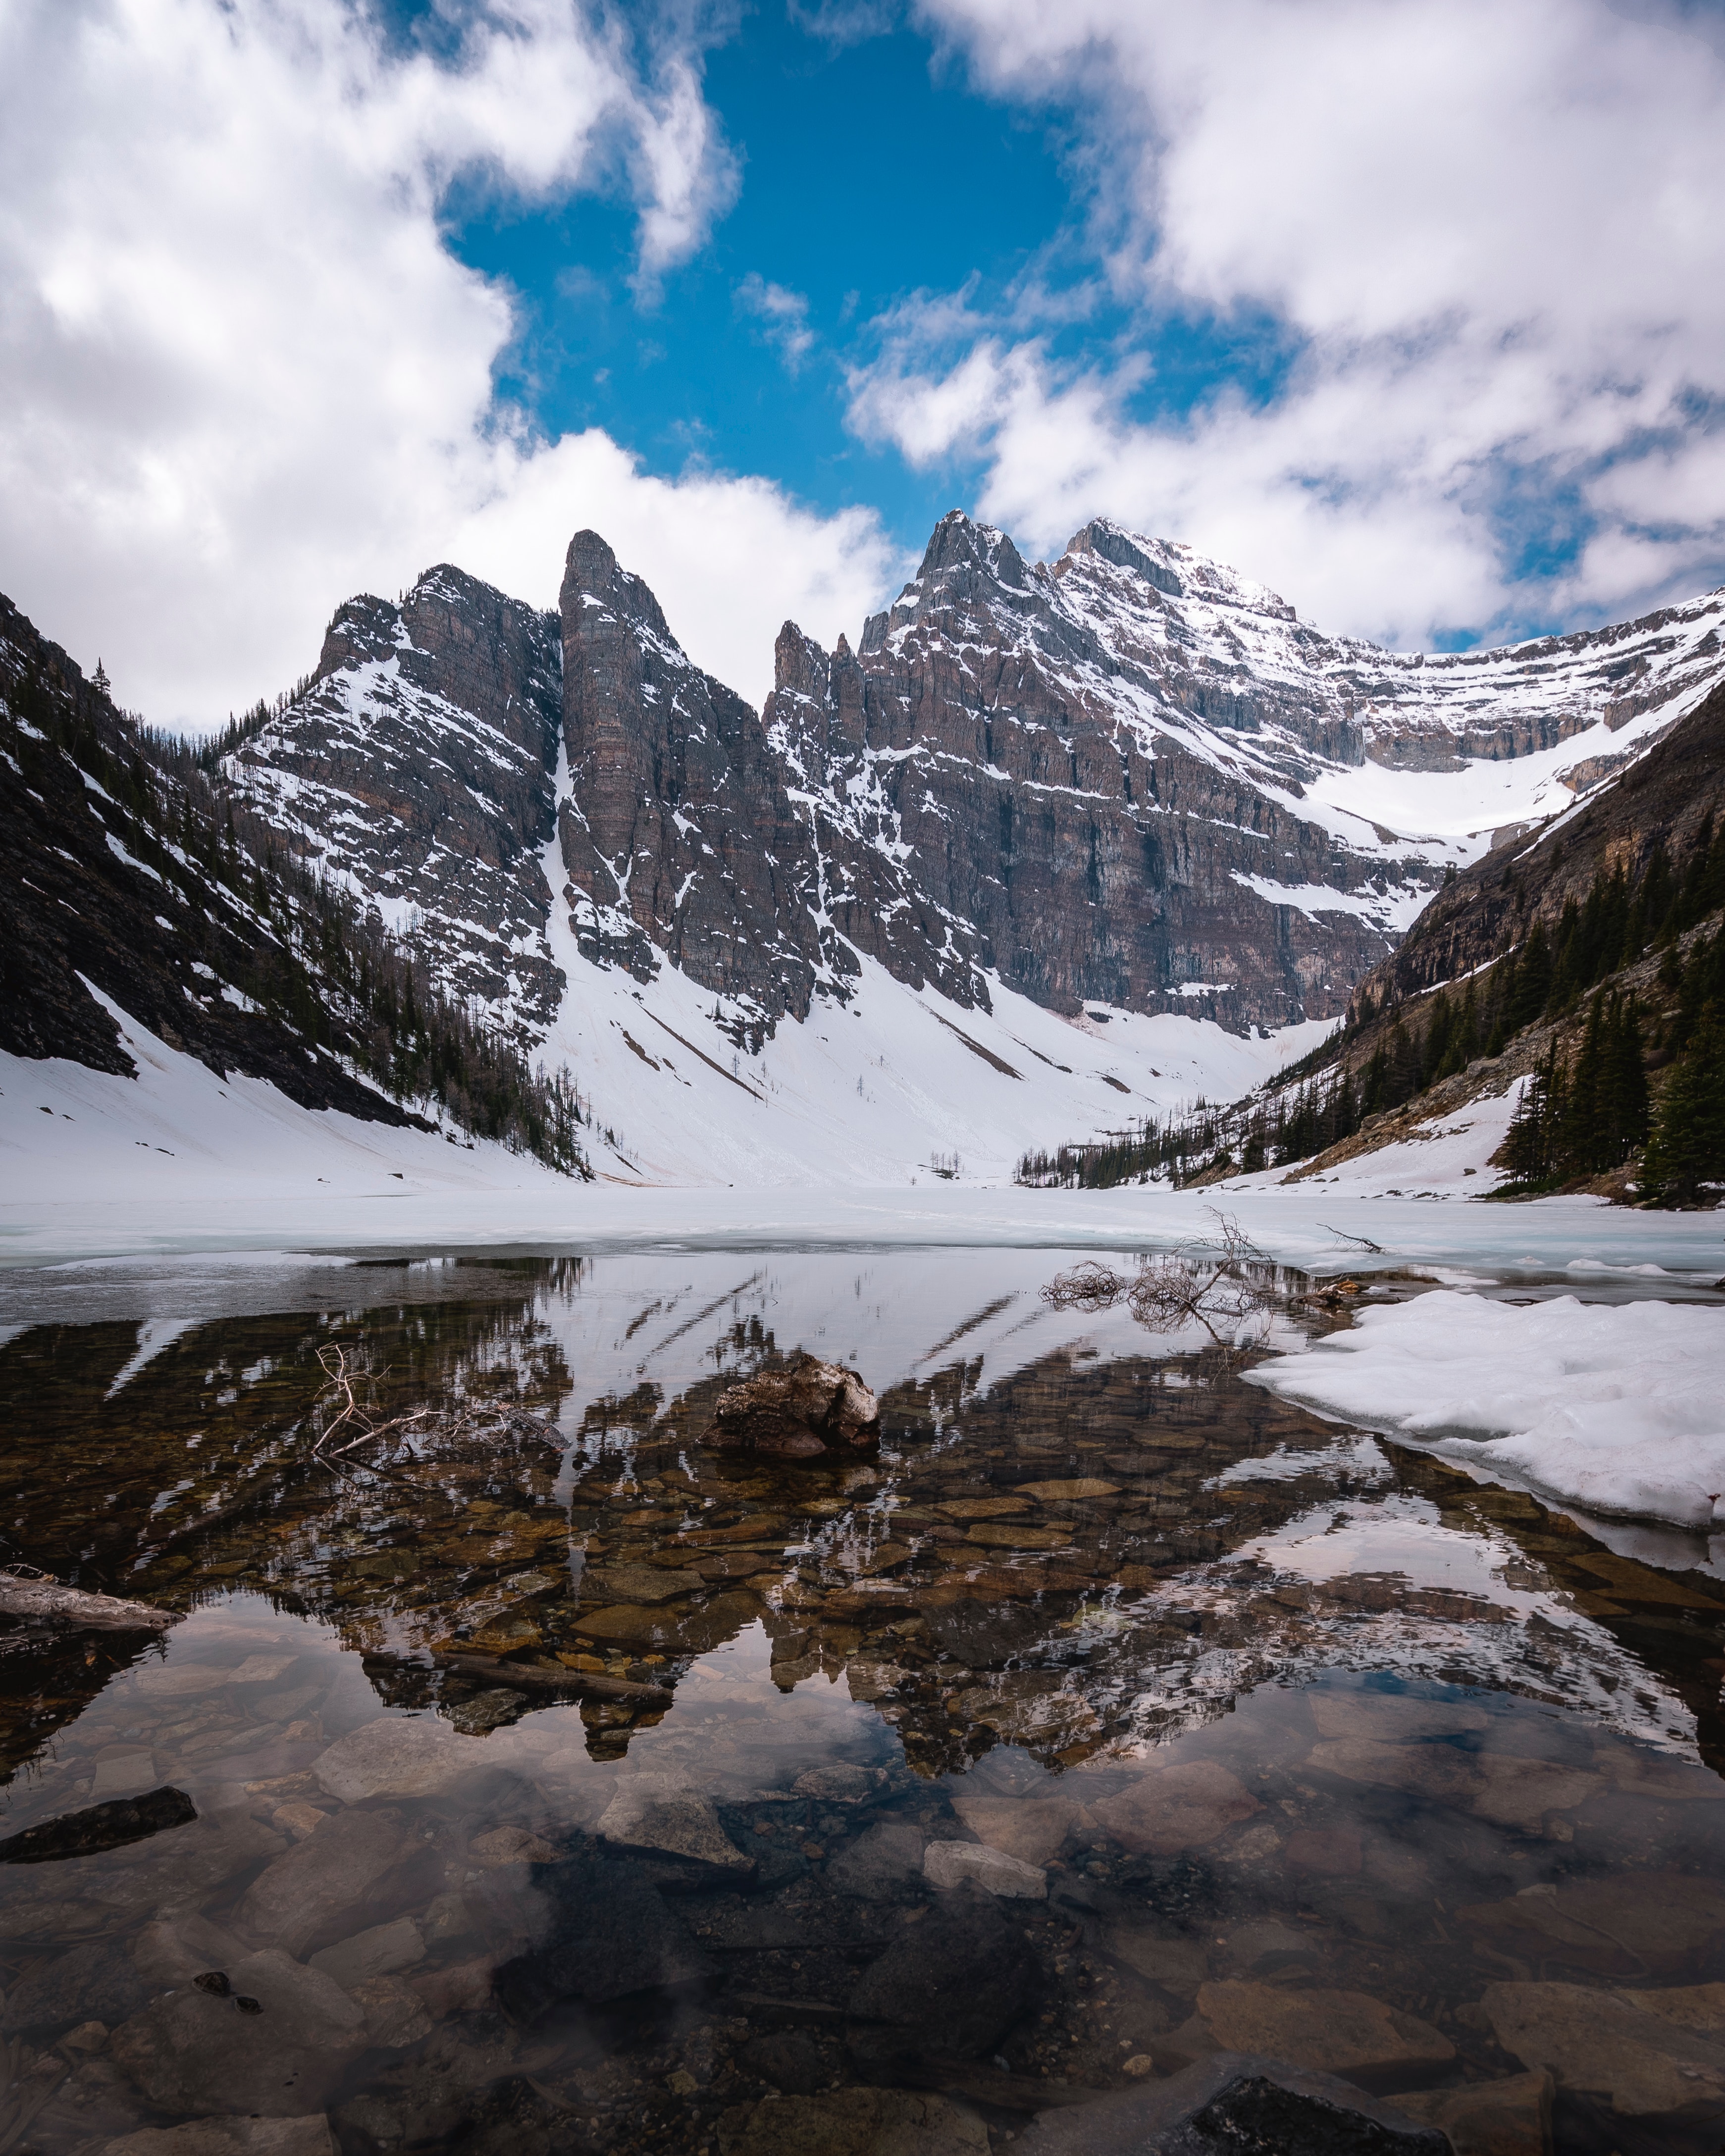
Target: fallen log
[535, 1677]
[46, 1599]
[98, 1827]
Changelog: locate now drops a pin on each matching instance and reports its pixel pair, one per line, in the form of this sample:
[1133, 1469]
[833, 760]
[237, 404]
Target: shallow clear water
[1245, 1712]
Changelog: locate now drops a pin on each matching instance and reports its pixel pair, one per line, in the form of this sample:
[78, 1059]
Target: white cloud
[729, 559]
[1490, 234]
[243, 377]
[783, 316]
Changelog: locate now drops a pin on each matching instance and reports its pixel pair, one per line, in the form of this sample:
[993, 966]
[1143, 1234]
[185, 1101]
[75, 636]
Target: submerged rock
[882, 1862]
[948, 1863]
[393, 1756]
[230, 2137]
[1338, 2032]
[379, 1952]
[1604, 2044]
[1032, 1829]
[1175, 1808]
[854, 2121]
[359, 1865]
[1506, 2117]
[949, 1986]
[193, 2051]
[1230, 2104]
[1621, 1925]
[796, 1413]
[660, 1819]
[607, 1934]
[98, 1981]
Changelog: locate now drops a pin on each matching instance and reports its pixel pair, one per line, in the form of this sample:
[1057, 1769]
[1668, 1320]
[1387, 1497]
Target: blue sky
[1413, 309]
[871, 168]
[866, 173]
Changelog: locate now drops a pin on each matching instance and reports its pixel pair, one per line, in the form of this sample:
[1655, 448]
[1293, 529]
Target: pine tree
[1528, 1148]
[1686, 1149]
[1624, 1083]
[1577, 1141]
[1532, 982]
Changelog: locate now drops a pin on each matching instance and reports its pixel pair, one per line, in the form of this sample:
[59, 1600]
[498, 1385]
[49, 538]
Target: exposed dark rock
[796, 1413]
[91, 895]
[421, 762]
[100, 1826]
[678, 836]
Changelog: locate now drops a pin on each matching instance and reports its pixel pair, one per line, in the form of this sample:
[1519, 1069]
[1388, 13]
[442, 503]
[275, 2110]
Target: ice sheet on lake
[1618, 1408]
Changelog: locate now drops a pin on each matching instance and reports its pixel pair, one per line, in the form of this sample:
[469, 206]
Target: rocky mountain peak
[677, 839]
[1132, 777]
[419, 770]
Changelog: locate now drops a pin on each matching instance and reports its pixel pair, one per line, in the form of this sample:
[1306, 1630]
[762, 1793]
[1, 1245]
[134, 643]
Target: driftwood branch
[46, 1599]
[1224, 1282]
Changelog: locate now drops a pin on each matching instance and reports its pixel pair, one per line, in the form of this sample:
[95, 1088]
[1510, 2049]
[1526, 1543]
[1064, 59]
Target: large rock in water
[796, 1413]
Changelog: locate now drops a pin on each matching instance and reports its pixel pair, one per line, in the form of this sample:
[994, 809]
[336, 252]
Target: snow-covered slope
[178, 1133]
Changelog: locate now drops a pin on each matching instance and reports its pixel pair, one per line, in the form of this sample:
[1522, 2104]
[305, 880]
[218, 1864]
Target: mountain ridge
[1121, 825]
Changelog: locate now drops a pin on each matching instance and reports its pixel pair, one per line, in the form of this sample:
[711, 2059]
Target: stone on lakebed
[798, 1413]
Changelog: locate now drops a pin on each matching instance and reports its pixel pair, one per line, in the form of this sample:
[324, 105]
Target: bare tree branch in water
[1224, 1283]
[461, 1421]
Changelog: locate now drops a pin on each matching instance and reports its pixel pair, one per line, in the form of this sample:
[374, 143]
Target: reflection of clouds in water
[1380, 1585]
[1360, 1458]
[1402, 1535]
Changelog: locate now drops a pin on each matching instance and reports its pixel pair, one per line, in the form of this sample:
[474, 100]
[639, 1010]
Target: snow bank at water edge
[1619, 1409]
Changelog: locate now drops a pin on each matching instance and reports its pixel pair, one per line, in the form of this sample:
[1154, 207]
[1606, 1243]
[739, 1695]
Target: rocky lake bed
[559, 1781]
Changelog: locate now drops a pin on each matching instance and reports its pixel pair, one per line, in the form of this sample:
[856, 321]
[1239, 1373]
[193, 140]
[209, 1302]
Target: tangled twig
[1225, 1282]
[341, 1378]
[457, 1422]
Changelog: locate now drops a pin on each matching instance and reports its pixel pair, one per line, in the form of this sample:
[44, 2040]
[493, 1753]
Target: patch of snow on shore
[1621, 1410]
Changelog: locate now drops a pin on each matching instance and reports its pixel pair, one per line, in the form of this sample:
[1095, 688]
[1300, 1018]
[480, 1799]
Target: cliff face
[1669, 799]
[1130, 777]
[419, 770]
[992, 745]
[676, 833]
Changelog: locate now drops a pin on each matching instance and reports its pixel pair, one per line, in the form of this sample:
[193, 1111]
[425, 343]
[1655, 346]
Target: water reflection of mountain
[1067, 1544]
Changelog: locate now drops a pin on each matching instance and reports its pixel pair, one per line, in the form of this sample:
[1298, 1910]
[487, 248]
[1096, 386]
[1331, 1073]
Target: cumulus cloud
[243, 377]
[1485, 238]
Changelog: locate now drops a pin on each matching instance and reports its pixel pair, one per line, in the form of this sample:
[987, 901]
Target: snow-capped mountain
[1052, 846]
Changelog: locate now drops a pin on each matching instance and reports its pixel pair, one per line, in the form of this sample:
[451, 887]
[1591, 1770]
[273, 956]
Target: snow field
[1618, 1409]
